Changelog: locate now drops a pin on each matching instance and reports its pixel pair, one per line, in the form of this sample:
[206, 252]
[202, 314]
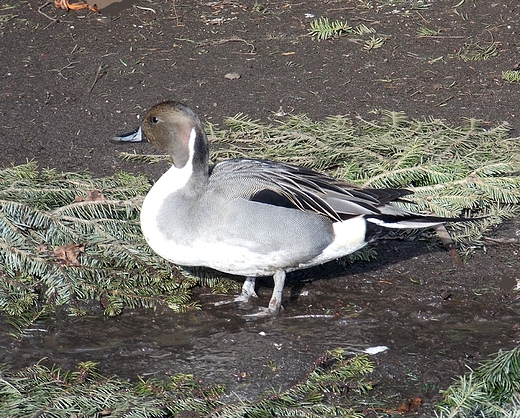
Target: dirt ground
[69, 81]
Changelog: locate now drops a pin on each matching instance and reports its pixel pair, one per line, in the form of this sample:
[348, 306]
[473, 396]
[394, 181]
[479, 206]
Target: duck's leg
[248, 290]
[276, 299]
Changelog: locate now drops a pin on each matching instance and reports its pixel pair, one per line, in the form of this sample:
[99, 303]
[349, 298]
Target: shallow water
[435, 318]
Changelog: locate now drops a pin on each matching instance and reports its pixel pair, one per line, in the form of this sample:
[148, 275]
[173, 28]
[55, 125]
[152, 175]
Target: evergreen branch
[48, 219]
[405, 177]
[491, 390]
[322, 28]
[42, 391]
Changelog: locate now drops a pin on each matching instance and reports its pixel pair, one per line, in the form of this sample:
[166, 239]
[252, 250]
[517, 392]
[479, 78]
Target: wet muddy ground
[67, 85]
[436, 318]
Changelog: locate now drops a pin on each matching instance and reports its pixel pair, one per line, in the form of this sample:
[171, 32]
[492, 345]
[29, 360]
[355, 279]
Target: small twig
[340, 9]
[443, 103]
[69, 65]
[441, 37]
[146, 8]
[97, 76]
[45, 14]
[422, 17]
[52, 19]
[175, 14]
[501, 240]
[226, 40]
[191, 41]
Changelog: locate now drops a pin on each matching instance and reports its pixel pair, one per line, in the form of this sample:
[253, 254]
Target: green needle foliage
[511, 76]
[67, 239]
[474, 51]
[328, 391]
[424, 32]
[492, 390]
[323, 28]
[51, 392]
[374, 42]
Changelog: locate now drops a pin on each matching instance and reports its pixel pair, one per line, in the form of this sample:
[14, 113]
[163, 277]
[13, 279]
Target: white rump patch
[349, 236]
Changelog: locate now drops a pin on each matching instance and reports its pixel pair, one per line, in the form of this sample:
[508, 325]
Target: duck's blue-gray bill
[135, 136]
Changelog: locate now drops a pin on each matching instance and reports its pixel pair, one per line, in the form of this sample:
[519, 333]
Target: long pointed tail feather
[411, 221]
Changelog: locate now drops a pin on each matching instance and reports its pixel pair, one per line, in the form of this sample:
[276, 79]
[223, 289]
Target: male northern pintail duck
[254, 217]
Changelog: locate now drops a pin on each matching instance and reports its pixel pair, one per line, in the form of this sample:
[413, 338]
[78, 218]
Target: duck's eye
[154, 119]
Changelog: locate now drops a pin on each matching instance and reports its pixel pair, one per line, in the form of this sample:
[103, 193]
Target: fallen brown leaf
[65, 5]
[41, 248]
[91, 196]
[410, 405]
[94, 196]
[68, 254]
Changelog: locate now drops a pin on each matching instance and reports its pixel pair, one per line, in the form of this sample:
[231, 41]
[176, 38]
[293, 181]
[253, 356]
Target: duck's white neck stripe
[191, 146]
[175, 178]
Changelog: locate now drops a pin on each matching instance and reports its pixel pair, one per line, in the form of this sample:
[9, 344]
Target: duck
[254, 217]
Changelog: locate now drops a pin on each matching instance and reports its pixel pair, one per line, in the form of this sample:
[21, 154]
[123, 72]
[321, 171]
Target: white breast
[170, 182]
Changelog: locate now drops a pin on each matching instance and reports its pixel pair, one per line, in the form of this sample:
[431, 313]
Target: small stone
[232, 76]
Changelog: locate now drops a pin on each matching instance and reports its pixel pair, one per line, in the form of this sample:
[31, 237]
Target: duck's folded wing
[290, 186]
